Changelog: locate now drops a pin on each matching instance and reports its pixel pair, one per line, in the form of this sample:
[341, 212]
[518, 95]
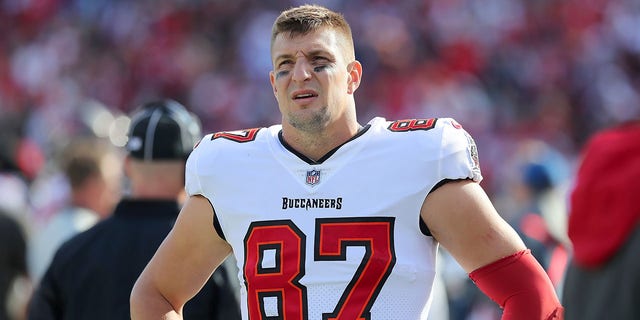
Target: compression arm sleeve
[519, 284]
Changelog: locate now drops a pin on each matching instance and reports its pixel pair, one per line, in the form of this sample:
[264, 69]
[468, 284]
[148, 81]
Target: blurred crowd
[530, 80]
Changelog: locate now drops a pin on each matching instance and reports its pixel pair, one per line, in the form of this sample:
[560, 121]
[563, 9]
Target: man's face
[310, 79]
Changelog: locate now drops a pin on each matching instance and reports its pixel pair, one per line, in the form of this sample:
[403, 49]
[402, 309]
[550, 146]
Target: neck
[154, 191]
[82, 201]
[314, 145]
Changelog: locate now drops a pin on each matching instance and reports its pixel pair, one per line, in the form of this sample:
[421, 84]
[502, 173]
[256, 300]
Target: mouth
[303, 95]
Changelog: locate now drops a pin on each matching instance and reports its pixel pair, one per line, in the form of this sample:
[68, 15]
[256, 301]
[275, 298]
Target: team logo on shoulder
[313, 177]
[473, 151]
[412, 124]
[238, 135]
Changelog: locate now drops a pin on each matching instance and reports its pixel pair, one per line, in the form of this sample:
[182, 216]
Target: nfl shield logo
[313, 177]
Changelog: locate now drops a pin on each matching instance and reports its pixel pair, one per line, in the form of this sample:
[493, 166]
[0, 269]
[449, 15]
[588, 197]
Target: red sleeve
[519, 284]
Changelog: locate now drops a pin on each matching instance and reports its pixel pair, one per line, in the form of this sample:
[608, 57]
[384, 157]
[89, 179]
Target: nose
[301, 70]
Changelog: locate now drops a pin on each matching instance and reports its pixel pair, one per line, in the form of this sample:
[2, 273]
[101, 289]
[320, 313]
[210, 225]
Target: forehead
[325, 39]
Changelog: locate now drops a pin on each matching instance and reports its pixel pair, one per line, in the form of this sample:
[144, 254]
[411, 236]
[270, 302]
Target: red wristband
[519, 284]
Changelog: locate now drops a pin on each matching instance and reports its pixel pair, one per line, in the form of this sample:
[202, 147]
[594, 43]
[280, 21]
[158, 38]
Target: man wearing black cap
[91, 275]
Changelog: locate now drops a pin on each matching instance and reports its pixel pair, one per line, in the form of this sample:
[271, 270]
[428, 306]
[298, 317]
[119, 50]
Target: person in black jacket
[92, 274]
[13, 265]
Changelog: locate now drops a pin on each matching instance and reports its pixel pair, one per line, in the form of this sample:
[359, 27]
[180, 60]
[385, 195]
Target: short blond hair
[309, 18]
[84, 158]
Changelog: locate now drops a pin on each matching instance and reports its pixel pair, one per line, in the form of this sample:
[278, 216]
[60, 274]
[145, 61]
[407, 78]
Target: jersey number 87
[332, 236]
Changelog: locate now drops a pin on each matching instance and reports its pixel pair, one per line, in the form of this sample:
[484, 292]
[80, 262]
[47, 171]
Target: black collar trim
[326, 156]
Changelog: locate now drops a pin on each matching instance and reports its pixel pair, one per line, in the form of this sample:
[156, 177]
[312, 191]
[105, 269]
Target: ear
[355, 76]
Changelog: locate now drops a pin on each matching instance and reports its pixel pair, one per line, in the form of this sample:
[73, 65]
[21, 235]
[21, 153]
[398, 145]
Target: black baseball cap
[163, 130]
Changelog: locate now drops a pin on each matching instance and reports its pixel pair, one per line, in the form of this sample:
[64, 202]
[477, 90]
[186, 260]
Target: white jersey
[338, 238]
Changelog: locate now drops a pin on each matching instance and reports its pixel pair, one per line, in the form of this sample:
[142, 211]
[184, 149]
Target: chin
[310, 123]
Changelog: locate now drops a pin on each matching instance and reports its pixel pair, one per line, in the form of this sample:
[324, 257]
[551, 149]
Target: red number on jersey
[280, 280]
[333, 236]
[412, 124]
[237, 136]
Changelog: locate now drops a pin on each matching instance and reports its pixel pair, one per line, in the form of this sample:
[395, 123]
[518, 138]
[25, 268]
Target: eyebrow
[311, 53]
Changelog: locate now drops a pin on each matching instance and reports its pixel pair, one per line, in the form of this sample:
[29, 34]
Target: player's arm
[181, 265]
[462, 219]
